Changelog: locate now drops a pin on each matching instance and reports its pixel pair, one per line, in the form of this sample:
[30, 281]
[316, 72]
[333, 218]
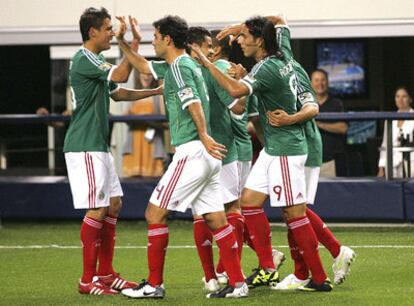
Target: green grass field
[36, 269]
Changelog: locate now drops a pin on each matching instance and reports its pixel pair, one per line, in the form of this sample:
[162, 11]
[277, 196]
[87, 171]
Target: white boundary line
[55, 246]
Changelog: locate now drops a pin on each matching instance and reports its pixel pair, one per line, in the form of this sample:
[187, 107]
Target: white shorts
[244, 170]
[280, 177]
[229, 181]
[191, 180]
[92, 178]
[312, 178]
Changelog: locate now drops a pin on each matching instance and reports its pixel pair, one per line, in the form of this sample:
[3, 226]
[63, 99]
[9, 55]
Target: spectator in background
[403, 100]
[333, 133]
[144, 151]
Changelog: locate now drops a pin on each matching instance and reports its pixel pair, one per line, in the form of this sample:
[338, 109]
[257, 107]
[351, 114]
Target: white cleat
[145, 290]
[278, 258]
[230, 292]
[222, 278]
[212, 285]
[342, 264]
[290, 282]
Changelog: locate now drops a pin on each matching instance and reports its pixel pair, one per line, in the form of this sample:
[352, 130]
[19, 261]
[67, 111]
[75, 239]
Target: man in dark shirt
[333, 133]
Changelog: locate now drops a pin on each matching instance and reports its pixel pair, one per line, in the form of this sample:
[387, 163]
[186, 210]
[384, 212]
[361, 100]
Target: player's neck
[91, 47]
[219, 56]
[172, 54]
[260, 54]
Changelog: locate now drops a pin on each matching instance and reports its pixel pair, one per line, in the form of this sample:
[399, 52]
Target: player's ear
[168, 39]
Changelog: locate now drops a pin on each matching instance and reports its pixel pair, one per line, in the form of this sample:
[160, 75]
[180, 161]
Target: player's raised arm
[277, 19]
[234, 88]
[233, 30]
[138, 61]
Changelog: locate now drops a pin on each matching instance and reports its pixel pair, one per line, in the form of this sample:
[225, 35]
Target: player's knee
[97, 214]
[295, 211]
[155, 215]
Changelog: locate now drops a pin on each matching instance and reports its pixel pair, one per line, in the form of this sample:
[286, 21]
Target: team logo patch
[306, 97]
[185, 94]
[101, 195]
[105, 66]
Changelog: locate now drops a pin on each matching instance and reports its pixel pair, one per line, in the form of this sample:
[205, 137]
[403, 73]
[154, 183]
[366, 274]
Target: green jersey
[89, 76]
[183, 84]
[239, 127]
[274, 83]
[306, 94]
[220, 119]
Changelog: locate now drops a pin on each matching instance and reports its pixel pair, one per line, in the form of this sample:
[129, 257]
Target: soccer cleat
[116, 282]
[260, 277]
[290, 282]
[145, 290]
[222, 278]
[95, 288]
[326, 286]
[212, 285]
[230, 292]
[278, 258]
[342, 264]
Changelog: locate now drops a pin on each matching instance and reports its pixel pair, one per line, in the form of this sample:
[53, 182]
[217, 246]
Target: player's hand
[213, 148]
[201, 58]
[278, 118]
[42, 111]
[159, 90]
[236, 71]
[136, 34]
[233, 30]
[120, 33]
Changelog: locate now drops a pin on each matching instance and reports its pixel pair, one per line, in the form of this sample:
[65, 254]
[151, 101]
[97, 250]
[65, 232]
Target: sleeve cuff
[282, 26]
[253, 114]
[184, 106]
[249, 86]
[230, 106]
[111, 70]
[236, 116]
[154, 74]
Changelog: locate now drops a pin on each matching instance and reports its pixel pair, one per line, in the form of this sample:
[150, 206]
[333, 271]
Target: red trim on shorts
[94, 181]
[173, 182]
[286, 180]
[91, 180]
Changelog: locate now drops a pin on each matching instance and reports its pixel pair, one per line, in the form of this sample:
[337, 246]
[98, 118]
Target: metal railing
[11, 119]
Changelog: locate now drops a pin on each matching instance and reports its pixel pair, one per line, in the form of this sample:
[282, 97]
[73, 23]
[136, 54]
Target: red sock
[157, 247]
[246, 236]
[228, 249]
[90, 235]
[237, 222]
[203, 238]
[308, 247]
[301, 270]
[260, 234]
[106, 251]
[323, 233]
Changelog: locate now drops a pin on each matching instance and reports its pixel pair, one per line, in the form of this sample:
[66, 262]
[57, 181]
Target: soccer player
[307, 103]
[192, 179]
[222, 51]
[279, 171]
[91, 172]
[221, 107]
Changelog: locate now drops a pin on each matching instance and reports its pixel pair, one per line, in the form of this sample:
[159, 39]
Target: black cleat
[326, 286]
[230, 292]
[261, 277]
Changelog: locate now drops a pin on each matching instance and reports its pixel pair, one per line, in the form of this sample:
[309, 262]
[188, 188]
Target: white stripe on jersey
[258, 66]
[177, 73]
[91, 57]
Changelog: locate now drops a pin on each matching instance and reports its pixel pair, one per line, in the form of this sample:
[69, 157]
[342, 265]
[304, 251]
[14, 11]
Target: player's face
[159, 44]
[402, 99]
[104, 35]
[207, 47]
[319, 83]
[247, 42]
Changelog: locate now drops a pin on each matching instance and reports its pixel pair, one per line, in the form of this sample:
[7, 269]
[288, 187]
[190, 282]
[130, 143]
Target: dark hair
[197, 35]
[403, 87]
[260, 27]
[224, 43]
[92, 18]
[321, 71]
[175, 27]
